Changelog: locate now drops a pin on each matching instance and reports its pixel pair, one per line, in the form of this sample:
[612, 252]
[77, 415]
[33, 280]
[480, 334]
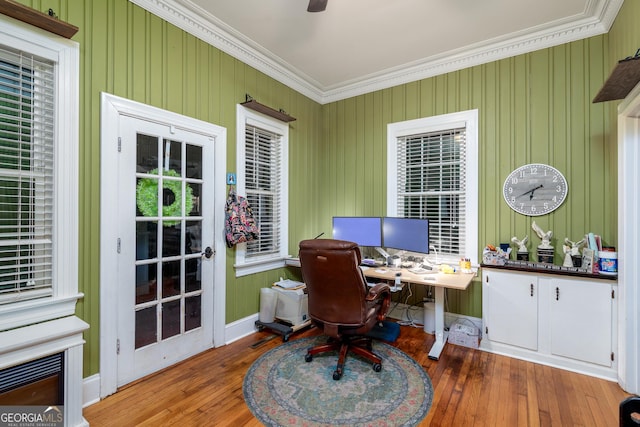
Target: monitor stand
[385, 255]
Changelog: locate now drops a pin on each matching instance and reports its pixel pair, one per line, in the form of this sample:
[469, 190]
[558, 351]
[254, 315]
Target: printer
[293, 302]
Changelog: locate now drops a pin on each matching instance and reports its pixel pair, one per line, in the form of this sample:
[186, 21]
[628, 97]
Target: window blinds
[432, 185]
[263, 175]
[26, 176]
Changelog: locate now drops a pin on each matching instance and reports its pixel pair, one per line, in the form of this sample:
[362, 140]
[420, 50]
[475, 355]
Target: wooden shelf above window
[260, 108]
[37, 19]
[624, 77]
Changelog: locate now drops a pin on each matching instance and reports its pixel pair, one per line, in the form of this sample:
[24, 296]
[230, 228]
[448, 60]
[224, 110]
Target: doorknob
[208, 253]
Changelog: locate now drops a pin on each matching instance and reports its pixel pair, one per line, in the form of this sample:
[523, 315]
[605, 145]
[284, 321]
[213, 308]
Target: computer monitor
[365, 231]
[409, 234]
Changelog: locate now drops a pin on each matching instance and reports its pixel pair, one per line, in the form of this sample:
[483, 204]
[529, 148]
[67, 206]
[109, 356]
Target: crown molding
[595, 20]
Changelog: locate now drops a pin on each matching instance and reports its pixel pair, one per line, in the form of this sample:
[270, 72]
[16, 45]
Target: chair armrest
[377, 291]
[380, 291]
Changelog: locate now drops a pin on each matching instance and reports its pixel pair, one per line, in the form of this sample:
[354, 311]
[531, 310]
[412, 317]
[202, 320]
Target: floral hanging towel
[240, 225]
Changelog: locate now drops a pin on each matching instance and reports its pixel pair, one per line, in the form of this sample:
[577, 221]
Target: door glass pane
[172, 156]
[193, 237]
[147, 197]
[196, 199]
[192, 274]
[146, 284]
[170, 278]
[146, 326]
[170, 319]
[171, 237]
[146, 153]
[194, 161]
[146, 238]
[192, 315]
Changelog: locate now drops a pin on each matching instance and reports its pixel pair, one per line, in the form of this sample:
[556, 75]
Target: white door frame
[628, 244]
[112, 107]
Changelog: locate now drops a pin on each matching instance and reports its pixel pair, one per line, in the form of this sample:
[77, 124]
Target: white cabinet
[512, 310]
[580, 314]
[563, 321]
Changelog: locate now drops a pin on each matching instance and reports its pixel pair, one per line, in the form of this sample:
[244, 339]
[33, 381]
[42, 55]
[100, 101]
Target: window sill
[258, 266]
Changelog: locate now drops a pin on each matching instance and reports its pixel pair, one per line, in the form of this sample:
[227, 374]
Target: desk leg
[441, 334]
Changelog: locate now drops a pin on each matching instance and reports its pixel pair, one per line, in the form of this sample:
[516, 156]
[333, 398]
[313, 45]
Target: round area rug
[281, 389]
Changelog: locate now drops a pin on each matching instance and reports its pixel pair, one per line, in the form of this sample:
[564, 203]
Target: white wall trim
[628, 246]
[91, 390]
[547, 359]
[201, 24]
[241, 328]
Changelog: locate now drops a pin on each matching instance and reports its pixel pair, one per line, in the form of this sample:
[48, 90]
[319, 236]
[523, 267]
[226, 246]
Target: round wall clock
[535, 189]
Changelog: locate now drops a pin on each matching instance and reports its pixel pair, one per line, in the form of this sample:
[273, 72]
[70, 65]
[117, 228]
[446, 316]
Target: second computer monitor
[365, 231]
[409, 234]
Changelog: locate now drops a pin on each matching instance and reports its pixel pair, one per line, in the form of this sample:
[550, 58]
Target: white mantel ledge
[41, 339]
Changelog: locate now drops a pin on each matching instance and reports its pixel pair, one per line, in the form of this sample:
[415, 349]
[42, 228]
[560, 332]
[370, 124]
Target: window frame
[467, 119]
[65, 55]
[244, 116]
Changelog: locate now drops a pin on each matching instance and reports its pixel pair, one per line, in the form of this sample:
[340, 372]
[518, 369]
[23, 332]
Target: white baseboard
[240, 328]
[91, 390]
[566, 363]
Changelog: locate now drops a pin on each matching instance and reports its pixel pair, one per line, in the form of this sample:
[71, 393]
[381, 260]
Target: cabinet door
[580, 321]
[512, 309]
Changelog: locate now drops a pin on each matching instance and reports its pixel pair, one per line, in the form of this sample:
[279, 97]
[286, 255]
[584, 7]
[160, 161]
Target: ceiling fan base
[317, 5]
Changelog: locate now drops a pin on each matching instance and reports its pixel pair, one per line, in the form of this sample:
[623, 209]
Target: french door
[165, 268]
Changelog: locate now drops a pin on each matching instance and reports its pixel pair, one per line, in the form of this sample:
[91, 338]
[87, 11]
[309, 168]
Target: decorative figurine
[545, 250]
[572, 257]
[521, 243]
[545, 237]
[575, 246]
[523, 253]
[568, 261]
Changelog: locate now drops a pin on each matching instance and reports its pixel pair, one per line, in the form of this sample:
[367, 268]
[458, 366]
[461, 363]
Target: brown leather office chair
[340, 302]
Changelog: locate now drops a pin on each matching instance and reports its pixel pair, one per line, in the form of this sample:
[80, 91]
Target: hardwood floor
[471, 388]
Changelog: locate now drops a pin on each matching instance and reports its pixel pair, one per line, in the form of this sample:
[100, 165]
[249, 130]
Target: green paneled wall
[533, 108]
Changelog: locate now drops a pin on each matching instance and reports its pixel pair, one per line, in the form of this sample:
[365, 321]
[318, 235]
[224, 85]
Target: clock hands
[530, 192]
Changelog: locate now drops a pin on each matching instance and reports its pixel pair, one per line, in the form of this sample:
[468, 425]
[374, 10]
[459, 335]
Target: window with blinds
[432, 172]
[26, 175]
[431, 181]
[263, 167]
[262, 159]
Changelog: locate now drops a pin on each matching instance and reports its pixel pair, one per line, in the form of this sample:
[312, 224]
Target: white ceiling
[357, 46]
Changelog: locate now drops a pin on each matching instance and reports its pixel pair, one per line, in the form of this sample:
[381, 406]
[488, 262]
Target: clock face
[535, 189]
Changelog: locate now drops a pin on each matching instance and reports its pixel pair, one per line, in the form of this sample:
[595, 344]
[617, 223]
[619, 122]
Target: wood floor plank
[471, 388]
[533, 413]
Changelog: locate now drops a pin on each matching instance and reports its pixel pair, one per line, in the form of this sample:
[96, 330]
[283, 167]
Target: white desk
[440, 281]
